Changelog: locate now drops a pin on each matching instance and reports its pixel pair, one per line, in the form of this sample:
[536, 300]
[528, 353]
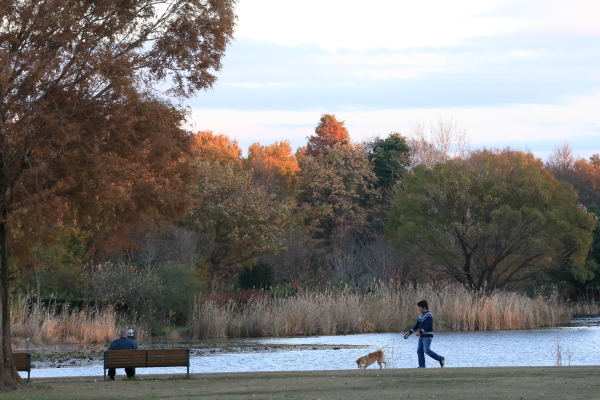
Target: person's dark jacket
[424, 325]
[123, 343]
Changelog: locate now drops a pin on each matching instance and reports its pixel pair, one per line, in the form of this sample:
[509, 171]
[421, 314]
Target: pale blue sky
[527, 76]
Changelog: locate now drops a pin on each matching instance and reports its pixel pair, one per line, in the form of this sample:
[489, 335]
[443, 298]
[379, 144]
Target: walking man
[424, 329]
[122, 343]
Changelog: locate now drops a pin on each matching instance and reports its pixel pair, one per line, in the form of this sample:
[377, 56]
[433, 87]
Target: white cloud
[394, 24]
[556, 17]
[509, 71]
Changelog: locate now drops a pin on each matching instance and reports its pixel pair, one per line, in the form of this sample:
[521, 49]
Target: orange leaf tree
[82, 119]
[274, 166]
[329, 132]
[217, 149]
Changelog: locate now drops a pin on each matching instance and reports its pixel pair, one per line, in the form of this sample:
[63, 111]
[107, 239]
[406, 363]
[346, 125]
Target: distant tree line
[334, 212]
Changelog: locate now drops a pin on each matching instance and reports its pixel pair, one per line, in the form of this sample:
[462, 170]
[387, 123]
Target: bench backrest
[147, 358]
[168, 358]
[124, 358]
[22, 361]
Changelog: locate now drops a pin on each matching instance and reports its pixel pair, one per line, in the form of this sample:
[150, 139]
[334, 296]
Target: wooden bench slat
[124, 358]
[167, 351]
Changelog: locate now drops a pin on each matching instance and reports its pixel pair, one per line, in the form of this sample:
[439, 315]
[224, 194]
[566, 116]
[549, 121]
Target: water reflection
[578, 344]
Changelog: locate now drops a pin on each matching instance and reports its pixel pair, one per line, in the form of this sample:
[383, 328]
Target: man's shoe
[442, 362]
[111, 378]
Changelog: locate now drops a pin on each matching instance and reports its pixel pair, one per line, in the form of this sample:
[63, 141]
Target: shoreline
[88, 356]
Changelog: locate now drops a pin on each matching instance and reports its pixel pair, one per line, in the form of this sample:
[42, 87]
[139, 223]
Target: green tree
[235, 221]
[337, 192]
[492, 220]
[390, 158]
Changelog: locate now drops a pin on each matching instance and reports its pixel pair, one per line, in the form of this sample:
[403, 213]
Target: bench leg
[188, 372]
[104, 373]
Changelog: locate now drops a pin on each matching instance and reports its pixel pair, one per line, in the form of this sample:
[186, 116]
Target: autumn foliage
[217, 149]
[329, 132]
[81, 120]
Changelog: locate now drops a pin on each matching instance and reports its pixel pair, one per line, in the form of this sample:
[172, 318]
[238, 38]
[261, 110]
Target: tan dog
[370, 358]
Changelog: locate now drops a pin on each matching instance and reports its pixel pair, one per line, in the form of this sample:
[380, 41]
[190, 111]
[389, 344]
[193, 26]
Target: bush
[162, 294]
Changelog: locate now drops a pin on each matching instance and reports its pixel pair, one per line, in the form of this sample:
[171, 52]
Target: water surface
[578, 345]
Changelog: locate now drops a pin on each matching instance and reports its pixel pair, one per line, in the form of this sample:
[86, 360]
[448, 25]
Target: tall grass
[51, 324]
[385, 310]
[306, 313]
[582, 308]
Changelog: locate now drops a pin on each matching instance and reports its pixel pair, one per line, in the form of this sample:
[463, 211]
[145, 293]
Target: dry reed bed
[61, 324]
[585, 308]
[306, 313]
[386, 310]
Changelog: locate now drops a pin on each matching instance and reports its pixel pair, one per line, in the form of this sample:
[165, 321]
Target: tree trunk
[9, 377]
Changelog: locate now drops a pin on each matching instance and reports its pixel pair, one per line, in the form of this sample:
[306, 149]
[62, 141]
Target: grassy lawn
[525, 383]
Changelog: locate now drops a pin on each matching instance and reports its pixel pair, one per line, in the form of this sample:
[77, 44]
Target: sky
[524, 74]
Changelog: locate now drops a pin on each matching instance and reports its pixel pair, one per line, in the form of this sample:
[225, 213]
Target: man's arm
[414, 328]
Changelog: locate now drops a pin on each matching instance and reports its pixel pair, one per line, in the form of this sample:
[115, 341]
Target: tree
[584, 175]
[444, 142]
[273, 166]
[81, 115]
[594, 254]
[235, 221]
[390, 158]
[337, 192]
[492, 220]
[217, 149]
[328, 133]
[298, 262]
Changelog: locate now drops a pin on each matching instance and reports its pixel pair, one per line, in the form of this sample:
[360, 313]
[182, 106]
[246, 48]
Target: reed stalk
[305, 313]
[52, 324]
[385, 310]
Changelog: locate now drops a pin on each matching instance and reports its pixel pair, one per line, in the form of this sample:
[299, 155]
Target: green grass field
[526, 383]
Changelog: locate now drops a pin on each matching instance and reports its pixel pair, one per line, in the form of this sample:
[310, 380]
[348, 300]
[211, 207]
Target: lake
[578, 344]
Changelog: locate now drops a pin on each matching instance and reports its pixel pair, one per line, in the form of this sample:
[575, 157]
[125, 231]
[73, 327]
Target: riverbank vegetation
[327, 312]
[337, 238]
[384, 310]
[333, 237]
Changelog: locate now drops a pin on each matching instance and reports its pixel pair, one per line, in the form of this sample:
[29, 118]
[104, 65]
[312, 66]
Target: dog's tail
[383, 353]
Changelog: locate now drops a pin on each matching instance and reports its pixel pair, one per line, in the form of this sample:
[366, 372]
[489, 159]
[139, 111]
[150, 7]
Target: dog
[370, 358]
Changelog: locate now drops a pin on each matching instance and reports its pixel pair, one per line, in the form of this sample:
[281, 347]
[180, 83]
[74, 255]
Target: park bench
[147, 358]
[23, 362]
